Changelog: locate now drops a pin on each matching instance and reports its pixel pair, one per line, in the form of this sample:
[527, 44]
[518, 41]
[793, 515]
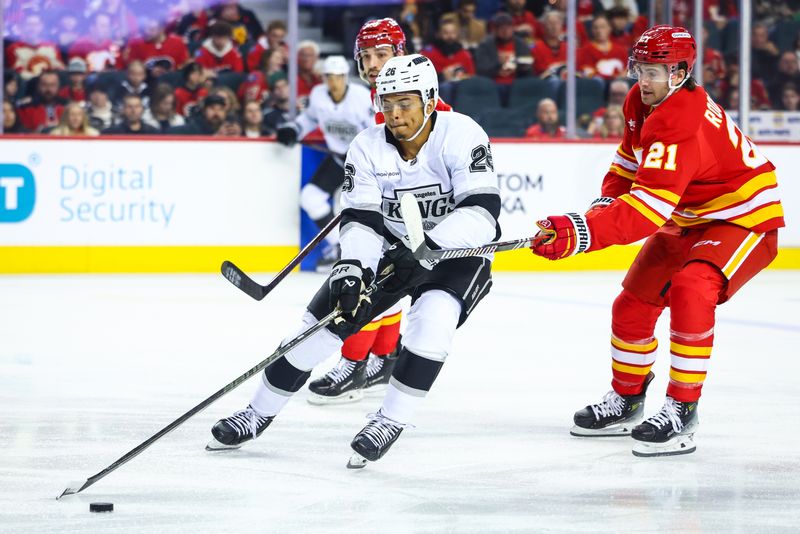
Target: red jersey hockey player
[376, 43]
[688, 178]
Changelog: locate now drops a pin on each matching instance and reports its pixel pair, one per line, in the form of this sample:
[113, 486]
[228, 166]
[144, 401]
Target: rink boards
[184, 205]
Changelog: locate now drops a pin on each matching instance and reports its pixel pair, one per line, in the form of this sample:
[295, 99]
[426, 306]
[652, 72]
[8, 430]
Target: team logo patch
[349, 178]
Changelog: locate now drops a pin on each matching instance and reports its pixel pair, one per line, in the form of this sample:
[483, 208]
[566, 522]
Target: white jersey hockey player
[445, 161]
[341, 110]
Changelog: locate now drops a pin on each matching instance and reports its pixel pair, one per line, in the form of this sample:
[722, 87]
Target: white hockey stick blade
[357, 461]
[412, 218]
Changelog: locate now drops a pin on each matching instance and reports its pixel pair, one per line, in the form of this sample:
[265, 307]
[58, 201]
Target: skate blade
[619, 430]
[357, 461]
[216, 446]
[673, 447]
[345, 398]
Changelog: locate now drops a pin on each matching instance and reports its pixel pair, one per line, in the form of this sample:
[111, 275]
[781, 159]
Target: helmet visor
[651, 72]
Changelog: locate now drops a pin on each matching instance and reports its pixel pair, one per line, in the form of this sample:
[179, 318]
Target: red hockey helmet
[377, 34]
[666, 44]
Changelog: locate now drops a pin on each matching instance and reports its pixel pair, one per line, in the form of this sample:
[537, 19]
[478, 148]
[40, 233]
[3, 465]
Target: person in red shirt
[705, 197]
[452, 61]
[503, 56]
[525, 23]
[550, 52]
[159, 52]
[217, 52]
[192, 26]
[45, 108]
[274, 38]
[547, 126]
[307, 75]
[76, 90]
[192, 91]
[600, 57]
[619, 18]
[98, 49]
[32, 55]
[256, 85]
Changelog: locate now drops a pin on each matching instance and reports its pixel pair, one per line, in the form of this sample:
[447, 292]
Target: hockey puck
[101, 507]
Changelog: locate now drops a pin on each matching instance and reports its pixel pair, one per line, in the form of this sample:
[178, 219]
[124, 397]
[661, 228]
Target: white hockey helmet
[335, 65]
[409, 74]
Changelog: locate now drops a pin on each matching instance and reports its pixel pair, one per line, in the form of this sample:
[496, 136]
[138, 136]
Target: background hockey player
[686, 176]
[341, 110]
[369, 355]
[445, 161]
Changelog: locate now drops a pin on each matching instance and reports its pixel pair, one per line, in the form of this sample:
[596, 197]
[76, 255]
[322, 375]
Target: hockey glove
[347, 281]
[408, 271]
[287, 135]
[561, 236]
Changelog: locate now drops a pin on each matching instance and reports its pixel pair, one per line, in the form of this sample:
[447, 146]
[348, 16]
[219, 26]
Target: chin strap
[673, 88]
[424, 121]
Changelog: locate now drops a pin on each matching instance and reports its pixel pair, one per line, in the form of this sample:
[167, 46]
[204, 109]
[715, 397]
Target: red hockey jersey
[684, 160]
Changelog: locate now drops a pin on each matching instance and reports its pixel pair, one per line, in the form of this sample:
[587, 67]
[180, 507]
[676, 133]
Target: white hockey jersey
[452, 177]
[341, 122]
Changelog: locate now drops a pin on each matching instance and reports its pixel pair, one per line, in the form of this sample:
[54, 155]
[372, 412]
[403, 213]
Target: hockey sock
[279, 382]
[633, 347]
[400, 406]
[356, 347]
[693, 299]
[387, 335]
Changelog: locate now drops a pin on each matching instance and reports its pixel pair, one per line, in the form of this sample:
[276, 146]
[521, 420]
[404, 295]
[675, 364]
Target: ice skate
[372, 442]
[342, 384]
[379, 371]
[615, 415]
[669, 432]
[232, 432]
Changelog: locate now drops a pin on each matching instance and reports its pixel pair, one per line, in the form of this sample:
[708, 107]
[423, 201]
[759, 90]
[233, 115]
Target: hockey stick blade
[77, 487]
[412, 218]
[240, 279]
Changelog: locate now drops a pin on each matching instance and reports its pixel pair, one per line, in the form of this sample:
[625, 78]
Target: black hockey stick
[412, 218]
[240, 279]
[77, 487]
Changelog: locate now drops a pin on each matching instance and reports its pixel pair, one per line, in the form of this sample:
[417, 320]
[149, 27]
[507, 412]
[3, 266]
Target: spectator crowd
[209, 67]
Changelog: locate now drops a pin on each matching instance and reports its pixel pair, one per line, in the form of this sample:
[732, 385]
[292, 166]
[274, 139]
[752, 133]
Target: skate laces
[247, 421]
[374, 365]
[612, 404]
[669, 414]
[381, 430]
[341, 370]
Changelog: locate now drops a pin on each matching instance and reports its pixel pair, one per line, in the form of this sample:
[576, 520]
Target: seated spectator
[547, 126]
[131, 123]
[600, 57]
[232, 106]
[244, 23]
[617, 92]
[525, 24]
[788, 72]
[159, 52]
[472, 30]
[76, 90]
[10, 85]
[255, 87]
[192, 27]
[33, 54]
[101, 110]
[630, 6]
[74, 121]
[619, 18]
[550, 52]
[192, 91]
[231, 127]
[273, 40]
[503, 56]
[451, 60]
[276, 111]
[790, 98]
[218, 52]
[11, 123]
[612, 126]
[133, 84]
[97, 48]
[713, 58]
[68, 29]
[253, 120]
[759, 98]
[207, 122]
[409, 21]
[307, 75]
[122, 18]
[160, 114]
[45, 108]
[764, 54]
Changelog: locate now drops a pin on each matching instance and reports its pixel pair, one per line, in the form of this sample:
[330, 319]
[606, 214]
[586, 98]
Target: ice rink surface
[90, 366]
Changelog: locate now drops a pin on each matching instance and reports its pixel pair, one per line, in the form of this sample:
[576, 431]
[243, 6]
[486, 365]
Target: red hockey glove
[561, 236]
